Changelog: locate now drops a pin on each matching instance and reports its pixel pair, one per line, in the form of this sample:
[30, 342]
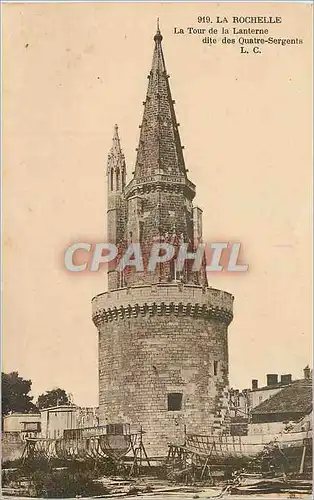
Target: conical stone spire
[159, 150]
[116, 160]
[160, 195]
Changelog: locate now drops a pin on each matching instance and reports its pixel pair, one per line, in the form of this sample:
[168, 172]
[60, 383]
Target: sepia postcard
[157, 249]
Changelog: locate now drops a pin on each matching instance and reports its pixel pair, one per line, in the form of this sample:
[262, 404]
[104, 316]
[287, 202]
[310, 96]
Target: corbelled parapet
[161, 182]
[161, 299]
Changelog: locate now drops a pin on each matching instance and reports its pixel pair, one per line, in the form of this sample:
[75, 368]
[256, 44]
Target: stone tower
[163, 346]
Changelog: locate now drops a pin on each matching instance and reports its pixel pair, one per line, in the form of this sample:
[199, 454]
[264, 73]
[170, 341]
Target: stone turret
[116, 204]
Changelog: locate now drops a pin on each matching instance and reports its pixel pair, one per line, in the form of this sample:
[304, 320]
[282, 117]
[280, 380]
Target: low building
[279, 411]
[56, 419]
[241, 404]
[49, 423]
[16, 428]
[259, 394]
[21, 422]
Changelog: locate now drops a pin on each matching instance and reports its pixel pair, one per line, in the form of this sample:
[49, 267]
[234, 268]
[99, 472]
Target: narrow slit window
[172, 269]
[215, 367]
[178, 275]
[111, 180]
[121, 278]
[175, 401]
[141, 230]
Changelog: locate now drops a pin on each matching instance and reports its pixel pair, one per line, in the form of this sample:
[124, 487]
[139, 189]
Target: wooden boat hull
[246, 447]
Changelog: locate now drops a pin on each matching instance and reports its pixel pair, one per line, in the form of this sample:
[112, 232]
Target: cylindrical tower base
[163, 360]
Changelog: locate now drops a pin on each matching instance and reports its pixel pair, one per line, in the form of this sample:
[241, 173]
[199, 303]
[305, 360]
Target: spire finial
[116, 133]
[158, 36]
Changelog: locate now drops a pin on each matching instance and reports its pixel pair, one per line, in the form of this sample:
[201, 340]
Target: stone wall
[160, 209]
[12, 446]
[266, 428]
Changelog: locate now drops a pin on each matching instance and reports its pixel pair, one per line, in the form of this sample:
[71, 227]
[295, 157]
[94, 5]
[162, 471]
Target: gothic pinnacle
[116, 158]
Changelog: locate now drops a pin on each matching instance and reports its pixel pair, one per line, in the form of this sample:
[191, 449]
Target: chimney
[254, 384]
[272, 379]
[307, 372]
[286, 379]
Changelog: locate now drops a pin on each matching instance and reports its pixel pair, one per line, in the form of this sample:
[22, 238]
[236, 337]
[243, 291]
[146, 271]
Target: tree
[15, 394]
[55, 397]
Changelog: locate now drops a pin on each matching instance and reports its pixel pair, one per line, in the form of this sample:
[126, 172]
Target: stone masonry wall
[159, 210]
[144, 357]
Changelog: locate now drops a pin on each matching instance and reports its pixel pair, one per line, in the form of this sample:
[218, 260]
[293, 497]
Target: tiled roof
[294, 398]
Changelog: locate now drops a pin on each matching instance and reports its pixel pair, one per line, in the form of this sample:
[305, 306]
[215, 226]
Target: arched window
[123, 179]
[117, 179]
[111, 179]
[175, 274]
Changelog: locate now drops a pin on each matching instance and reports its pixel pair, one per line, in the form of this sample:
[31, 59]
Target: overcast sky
[71, 71]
